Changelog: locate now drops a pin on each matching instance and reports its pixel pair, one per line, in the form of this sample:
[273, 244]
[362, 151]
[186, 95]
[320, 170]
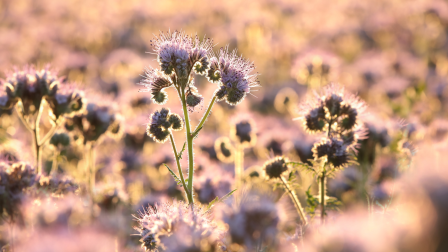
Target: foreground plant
[335, 114]
[27, 90]
[180, 57]
[177, 227]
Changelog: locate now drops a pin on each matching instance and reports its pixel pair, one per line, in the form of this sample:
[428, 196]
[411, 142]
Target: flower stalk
[295, 200]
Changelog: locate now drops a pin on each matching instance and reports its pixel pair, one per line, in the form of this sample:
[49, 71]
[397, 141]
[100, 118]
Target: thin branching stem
[37, 146]
[189, 195]
[50, 133]
[295, 200]
[207, 113]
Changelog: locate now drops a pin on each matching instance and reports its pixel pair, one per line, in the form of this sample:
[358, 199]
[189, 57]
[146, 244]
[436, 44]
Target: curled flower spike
[334, 151]
[161, 124]
[234, 75]
[180, 53]
[274, 168]
[155, 82]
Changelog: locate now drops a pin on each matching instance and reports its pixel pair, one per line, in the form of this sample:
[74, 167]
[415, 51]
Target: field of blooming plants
[212, 126]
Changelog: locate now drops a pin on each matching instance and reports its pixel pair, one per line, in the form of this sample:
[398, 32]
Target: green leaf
[179, 155]
[218, 200]
[176, 178]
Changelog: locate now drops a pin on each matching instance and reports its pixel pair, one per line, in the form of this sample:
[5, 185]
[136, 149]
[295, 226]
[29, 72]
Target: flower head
[158, 224]
[233, 73]
[180, 54]
[274, 168]
[333, 110]
[29, 86]
[161, 124]
[333, 150]
[255, 217]
[67, 101]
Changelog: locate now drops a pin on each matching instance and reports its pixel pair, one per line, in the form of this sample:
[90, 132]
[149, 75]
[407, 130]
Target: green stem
[295, 200]
[239, 164]
[50, 133]
[37, 146]
[189, 146]
[322, 181]
[189, 195]
[54, 166]
[207, 113]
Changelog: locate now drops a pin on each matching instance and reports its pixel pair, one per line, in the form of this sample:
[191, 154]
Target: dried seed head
[274, 168]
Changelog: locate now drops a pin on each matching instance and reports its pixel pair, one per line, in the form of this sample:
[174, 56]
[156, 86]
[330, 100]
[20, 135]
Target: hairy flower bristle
[155, 82]
[180, 53]
[234, 75]
[159, 223]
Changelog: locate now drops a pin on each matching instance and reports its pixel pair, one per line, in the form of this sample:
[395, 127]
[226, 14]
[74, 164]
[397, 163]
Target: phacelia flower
[157, 224]
[233, 73]
[161, 124]
[334, 151]
[252, 221]
[274, 168]
[334, 110]
[29, 86]
[180, 54]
